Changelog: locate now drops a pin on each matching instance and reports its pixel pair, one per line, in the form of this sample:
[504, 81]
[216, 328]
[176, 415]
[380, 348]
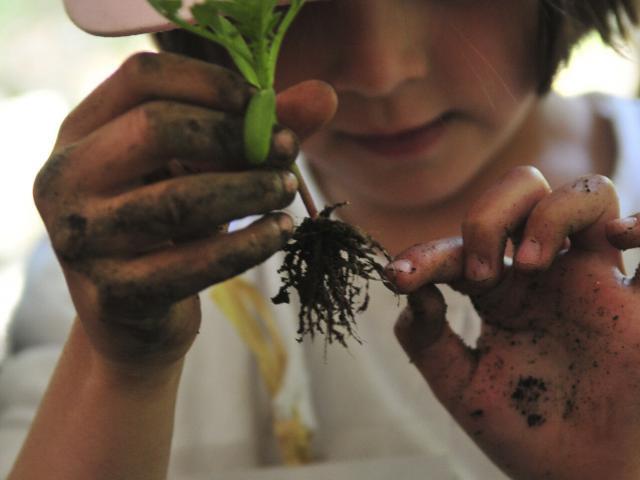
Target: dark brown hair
[562, 23]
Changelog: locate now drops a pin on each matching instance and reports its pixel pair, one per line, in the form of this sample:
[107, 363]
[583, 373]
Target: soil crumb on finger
[527, 398]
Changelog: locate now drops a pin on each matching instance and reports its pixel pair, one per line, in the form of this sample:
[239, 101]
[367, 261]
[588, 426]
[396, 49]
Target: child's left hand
[553, 388]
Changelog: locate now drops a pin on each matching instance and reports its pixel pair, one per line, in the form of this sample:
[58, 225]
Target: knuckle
[276, 188]
[183, 130]
[69, 236]
[69, 124]
[594, 183]
[517, 173]
[477, 224]
[226, 135]
[527, 180]
[539, 183]
[148, 114]
[155, 213]
[141, 64]
[528, 172]
[486, 213]
[175, 208]
[249, 248]
[233, 91]
[42, 187]
[45, 185]
[146, 125]
[277, 182]
[266, 183]
[202, 132]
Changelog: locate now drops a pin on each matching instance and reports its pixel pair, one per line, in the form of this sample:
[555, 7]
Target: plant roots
[330, 264]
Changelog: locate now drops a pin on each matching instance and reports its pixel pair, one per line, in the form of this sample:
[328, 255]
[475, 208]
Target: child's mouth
[405, 143]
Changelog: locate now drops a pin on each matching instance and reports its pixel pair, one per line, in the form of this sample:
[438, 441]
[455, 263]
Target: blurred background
[48, 66]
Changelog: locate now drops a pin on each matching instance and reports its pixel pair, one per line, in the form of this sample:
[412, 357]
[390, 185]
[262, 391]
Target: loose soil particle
[527, 397]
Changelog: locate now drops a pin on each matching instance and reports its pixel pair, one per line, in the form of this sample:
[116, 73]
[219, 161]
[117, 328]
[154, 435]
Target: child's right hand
[145, 173]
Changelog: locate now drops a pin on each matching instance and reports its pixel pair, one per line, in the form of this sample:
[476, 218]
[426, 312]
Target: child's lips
[404, 143]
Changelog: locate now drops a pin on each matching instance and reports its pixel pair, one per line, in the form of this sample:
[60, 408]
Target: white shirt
[374, 415]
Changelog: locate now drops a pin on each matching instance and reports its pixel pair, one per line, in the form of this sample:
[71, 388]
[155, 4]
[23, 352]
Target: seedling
[252, 32]
[325, 257]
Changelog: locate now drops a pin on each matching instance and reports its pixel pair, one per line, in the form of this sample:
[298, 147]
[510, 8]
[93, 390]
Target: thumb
[306, 107]
[445, 362]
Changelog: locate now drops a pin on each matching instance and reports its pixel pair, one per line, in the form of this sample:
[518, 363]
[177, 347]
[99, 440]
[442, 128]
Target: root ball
[330, 264]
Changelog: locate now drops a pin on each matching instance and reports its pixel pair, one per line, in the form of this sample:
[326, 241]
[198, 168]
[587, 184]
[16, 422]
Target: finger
[147, 137]
[494, 217]
[579, 210]
[147, 76]
[440, 261]
[134, 288]
[178, 208]
[445, 362]
[624, 233]
[307, 107]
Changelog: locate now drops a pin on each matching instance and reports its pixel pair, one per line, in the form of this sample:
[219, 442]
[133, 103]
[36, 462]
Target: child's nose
[379, 51]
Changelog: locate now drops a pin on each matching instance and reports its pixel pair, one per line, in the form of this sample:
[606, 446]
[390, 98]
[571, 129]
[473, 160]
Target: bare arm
[96, 421]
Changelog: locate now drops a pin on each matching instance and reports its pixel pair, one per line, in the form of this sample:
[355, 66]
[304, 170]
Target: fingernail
[285, 223]
[400, 266]
[285, 143]
[478, 268]
[529, 252]
[629, 223]
[289, 182]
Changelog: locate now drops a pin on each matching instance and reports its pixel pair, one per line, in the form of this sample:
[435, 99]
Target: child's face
[467, 65]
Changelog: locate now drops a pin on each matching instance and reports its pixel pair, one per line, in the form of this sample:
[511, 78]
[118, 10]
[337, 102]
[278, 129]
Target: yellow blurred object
[294, 440]
[250, 313]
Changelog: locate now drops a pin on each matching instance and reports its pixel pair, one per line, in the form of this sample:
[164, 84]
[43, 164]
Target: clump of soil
[324, 262]
[527, 396]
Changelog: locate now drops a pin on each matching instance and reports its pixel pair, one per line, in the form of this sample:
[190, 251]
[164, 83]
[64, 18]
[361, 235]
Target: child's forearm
[97, 422]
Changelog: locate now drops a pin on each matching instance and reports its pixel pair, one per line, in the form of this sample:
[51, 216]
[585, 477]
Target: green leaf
[252, 32]
[206, 14]
[282, 28]
[209, 15]
[241, 55]
[168, 8]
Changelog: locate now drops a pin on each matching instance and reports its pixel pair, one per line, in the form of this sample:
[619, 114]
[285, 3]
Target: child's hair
[562, 23]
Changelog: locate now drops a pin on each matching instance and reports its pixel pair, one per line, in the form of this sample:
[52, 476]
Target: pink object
[114, 18]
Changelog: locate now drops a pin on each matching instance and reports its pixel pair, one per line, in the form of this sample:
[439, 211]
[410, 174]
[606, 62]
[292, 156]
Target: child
[444, 137]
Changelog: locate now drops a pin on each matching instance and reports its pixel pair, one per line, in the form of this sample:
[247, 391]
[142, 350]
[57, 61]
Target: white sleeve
[36, 335]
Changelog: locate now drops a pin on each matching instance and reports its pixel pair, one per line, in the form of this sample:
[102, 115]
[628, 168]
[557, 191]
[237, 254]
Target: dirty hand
[552, 389]
[145, 173]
